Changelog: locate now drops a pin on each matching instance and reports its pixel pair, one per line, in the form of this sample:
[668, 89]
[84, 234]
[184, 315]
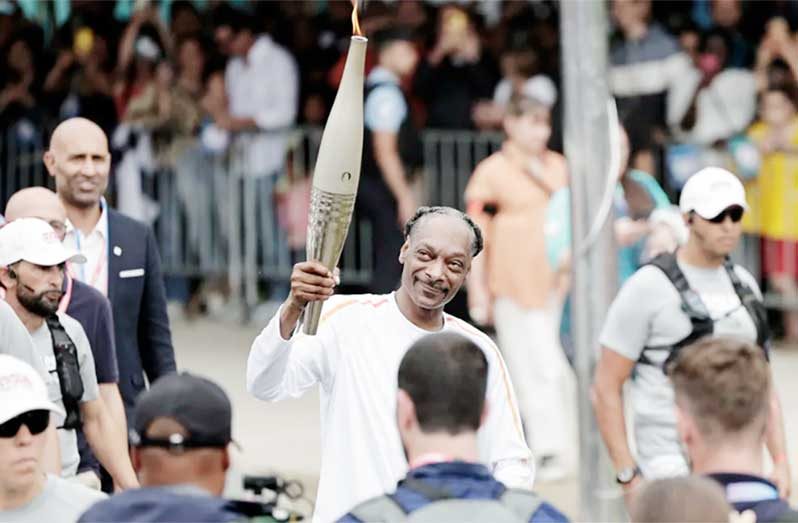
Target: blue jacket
[161, 504]
[138, 299]
[463, 481]
[745, 492]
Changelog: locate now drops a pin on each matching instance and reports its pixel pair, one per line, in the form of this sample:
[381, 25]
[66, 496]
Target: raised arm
[284, 365]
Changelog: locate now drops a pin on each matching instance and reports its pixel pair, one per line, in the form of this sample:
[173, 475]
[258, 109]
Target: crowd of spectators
[710, 82]
[168, 72]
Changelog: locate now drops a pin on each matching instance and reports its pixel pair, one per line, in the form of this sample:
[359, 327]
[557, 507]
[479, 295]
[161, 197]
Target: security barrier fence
[216, 214]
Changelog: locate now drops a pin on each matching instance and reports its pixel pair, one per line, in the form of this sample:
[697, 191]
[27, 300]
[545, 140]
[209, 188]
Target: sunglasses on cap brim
[36, 421]
[735, 212]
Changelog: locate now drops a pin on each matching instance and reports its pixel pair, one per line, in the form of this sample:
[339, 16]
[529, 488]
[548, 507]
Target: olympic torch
[337, 171]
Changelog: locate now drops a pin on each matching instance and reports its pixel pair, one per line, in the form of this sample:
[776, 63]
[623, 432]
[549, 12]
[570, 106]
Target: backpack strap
[522, 503]
[382, 509]
[692, 305]
[67, 367]
[753, 305]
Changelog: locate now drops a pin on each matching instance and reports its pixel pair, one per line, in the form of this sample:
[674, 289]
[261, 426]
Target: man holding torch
[355, 355]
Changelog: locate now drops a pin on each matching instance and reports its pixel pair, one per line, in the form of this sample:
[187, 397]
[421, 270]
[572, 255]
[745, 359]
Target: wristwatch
[627, 475]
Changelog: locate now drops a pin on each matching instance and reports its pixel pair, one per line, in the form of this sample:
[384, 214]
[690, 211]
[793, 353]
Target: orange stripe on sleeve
[507, 388]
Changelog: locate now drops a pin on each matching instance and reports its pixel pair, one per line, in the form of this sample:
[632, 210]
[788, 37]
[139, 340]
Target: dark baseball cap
[198, 404]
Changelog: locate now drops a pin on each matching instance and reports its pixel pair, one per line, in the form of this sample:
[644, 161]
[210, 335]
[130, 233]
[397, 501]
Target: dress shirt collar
[102, 224]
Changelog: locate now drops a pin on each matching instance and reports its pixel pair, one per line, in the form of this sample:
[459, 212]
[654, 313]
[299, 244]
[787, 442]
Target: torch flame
[355, 22]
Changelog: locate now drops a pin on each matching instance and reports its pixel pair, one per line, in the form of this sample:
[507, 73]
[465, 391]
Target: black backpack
[694, 307]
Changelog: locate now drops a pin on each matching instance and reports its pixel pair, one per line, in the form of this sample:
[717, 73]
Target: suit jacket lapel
[114, 261]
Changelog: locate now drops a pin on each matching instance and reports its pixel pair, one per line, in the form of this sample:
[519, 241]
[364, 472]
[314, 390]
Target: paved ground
[283, 438]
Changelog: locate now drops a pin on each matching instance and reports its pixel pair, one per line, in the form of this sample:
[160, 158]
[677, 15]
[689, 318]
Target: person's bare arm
[234, 124]
[386, 152]
[629, 231]
[101, 433]
[112, 399]
[480, 301]
[777, 446]
[607, 397]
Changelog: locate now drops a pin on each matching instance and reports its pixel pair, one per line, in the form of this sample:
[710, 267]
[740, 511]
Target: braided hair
[477, 243]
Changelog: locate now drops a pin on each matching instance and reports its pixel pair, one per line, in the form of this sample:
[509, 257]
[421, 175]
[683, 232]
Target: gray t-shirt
[44, 346]
[61, 501]
[646, 313]
[15, 340]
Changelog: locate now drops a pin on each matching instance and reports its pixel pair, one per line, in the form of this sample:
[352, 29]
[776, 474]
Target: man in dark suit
[123, 261]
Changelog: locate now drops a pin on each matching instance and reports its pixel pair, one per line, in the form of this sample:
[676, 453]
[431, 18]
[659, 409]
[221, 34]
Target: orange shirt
[514, 242]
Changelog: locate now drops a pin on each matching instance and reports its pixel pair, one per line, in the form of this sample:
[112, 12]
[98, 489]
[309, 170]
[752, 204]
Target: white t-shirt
[647, 313]
[61, 500]
[70, 458]
[355, 358]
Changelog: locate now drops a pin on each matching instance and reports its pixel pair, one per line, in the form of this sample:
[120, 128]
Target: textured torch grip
[328, 224]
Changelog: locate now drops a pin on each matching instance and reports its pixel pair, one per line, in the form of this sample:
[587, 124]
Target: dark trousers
[376, 204]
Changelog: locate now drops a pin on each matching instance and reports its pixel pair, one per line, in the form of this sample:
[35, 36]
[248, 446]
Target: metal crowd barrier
[215, 218]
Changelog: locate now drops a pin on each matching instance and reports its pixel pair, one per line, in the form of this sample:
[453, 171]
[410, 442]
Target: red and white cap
[22, 390]
[34, 241]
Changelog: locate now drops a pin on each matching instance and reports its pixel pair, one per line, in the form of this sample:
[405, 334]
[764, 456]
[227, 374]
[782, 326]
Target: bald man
[92, 310]
[122, 256]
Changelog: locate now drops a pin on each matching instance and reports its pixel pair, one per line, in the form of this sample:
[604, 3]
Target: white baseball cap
[710, 191]
[34, 241]
[22, 390]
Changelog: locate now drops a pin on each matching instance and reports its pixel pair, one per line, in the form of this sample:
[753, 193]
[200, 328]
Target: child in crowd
[773, 194]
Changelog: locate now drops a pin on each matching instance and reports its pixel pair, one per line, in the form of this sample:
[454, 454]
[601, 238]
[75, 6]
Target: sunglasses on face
[35, 420]
[735, 212]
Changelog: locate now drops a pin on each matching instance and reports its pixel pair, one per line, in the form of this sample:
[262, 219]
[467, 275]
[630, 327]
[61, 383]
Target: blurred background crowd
[707, 82]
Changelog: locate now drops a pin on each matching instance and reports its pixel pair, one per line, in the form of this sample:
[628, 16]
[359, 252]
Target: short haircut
[477, 242]
[692, 499]
[446, 376]
[725, 383]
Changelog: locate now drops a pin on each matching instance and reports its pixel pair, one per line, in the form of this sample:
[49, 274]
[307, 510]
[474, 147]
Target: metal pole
[583, 29]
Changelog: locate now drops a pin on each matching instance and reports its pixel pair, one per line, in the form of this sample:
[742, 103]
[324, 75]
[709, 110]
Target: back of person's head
[180, 433]
[723, 385]
[445, 376]
[692, 499]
